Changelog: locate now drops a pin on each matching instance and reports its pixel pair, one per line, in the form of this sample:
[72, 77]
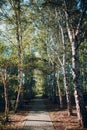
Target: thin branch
[8, 38]
[80, 23]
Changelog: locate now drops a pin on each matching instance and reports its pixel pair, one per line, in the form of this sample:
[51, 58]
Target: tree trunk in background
[19, 95]
[54, 85]
[4, 78]
[66, 86]
[6, 101]
[59, 92]
[20, 52]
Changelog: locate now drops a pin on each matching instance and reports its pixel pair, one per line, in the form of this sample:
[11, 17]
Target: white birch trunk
[59, 92]
[80, 105]
[66, 86]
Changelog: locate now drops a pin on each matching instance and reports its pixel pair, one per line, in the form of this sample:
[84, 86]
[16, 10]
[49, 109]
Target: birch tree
[73, 34]
[74, 26]
[54, 45]
[17, 12]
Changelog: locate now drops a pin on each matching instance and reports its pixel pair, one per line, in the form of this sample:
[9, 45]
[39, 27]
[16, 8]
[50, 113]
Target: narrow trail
[38, 118]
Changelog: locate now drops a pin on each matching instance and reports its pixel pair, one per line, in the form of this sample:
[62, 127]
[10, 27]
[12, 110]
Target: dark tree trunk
[6, 101]
[4, 78]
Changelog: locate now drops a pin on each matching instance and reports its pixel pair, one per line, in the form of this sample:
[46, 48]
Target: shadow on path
[38, 117]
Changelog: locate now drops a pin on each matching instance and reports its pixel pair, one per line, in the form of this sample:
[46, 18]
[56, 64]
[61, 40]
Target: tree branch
[80, 23]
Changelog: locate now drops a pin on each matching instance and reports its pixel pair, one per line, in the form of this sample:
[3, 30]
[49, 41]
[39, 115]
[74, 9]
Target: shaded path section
[38, 118]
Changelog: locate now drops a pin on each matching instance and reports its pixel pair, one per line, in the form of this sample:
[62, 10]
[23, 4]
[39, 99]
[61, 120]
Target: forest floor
[60, 118]
[15, 121]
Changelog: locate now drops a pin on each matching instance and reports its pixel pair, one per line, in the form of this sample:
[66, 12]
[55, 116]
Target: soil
[61, 120]
[16, 120]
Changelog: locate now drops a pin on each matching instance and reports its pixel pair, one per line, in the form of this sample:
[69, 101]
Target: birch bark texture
[77, 83]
